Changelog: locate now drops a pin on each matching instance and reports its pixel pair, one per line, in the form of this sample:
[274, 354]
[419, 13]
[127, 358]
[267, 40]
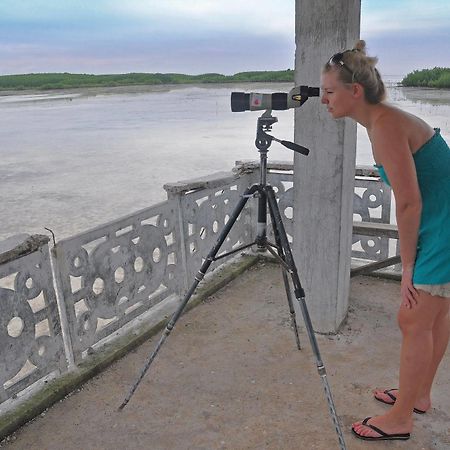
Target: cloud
[221, 52]
[388, 17]
[257, 16]
[194, 36]
[170, 16]
[400, 54]
[147, 35]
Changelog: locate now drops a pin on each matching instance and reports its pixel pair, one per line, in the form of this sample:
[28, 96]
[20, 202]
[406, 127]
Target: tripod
[280, 250]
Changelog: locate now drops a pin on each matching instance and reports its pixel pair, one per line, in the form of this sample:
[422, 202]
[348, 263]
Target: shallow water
[73, 160]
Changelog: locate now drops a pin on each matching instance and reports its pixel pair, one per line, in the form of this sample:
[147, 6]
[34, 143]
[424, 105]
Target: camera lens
[240, 101]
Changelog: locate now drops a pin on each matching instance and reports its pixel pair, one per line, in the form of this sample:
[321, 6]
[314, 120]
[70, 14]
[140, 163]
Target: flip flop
[383, 436]
[394, 398]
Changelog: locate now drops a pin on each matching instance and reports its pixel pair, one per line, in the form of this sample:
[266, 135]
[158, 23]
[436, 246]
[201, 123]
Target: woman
[415, 160]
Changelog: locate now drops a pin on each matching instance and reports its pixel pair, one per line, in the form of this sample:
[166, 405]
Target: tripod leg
[200, 274]
[286, 281]
[291, 308]
[300, 296]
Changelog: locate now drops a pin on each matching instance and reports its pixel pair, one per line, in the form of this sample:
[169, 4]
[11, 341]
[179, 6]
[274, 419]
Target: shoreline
[436, 78]
[437, 96]
[133, 89]
[83, 91]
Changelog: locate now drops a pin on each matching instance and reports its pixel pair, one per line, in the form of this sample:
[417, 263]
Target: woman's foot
[383, 427]
[389, 396]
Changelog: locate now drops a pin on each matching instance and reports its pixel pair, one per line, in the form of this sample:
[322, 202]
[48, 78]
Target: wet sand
[75, 159]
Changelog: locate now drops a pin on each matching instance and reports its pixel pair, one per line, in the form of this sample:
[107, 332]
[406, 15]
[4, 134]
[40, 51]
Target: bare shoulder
[396, 131]
[389, 135]
[392, 122]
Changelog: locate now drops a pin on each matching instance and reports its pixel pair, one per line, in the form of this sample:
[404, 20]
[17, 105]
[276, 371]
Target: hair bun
[360, 46]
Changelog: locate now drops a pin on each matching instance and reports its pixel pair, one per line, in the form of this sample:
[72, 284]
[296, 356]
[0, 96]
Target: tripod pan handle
[297, 148]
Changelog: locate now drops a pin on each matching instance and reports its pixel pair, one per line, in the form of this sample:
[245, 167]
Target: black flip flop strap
[377, 430]
[388, 393]
[394, 399]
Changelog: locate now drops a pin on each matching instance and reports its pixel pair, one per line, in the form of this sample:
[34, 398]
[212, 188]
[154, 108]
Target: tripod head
[297, 96]
[263, 140]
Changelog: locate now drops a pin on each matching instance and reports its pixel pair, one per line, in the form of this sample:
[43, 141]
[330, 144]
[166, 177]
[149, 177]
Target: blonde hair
[360, 69]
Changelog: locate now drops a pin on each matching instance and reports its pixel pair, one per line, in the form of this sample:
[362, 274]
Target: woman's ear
[357, 90]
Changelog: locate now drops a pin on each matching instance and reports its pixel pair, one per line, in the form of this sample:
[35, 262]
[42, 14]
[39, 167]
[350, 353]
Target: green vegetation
[46, 81]
[439, 77]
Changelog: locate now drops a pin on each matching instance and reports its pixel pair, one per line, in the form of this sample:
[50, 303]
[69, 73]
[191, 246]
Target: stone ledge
[250, 165]
[20, 245]
[212, 181]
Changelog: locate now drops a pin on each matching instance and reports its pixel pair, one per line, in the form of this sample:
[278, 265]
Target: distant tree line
[47, 81]
[439, 77]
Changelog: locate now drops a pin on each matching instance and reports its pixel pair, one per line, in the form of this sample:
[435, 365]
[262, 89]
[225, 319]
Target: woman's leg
[441, 334]
[416, 359]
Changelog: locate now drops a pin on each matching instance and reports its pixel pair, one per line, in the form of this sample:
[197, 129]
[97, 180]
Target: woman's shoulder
[391, 117]
[397, 125]
[393, 120]
[390, 122]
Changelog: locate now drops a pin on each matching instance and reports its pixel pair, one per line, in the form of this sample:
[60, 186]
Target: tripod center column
[324, 181]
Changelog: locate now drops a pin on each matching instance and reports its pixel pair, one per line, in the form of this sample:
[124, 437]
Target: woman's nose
[323, 99]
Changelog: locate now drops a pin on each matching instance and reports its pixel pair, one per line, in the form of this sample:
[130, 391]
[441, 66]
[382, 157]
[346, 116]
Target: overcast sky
[198, 36]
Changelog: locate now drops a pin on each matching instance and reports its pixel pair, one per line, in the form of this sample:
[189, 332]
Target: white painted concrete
[323, 181]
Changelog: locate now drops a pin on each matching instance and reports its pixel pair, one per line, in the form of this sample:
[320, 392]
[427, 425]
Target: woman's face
[336, 95]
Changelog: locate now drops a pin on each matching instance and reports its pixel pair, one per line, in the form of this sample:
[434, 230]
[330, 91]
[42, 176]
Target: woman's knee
[421, 317]
[410, 321]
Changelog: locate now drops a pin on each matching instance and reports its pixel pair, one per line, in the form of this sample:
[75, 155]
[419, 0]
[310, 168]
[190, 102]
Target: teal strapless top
[432, 162]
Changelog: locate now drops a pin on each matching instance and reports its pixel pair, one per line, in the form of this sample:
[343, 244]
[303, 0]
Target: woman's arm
[393, 152]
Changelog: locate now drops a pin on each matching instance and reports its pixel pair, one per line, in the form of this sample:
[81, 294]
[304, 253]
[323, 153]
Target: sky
[200, 36]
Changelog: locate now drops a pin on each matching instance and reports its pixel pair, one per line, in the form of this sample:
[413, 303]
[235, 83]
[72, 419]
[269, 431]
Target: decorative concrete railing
[114, 273]
[57, 306]
[31, 343]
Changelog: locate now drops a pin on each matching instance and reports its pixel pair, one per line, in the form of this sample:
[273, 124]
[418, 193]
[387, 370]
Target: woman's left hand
[408, 291]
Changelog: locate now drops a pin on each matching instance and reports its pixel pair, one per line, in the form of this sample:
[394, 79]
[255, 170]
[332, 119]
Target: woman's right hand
[409, 293]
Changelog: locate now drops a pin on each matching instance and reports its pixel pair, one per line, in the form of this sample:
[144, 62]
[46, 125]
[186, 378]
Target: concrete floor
[230, 377]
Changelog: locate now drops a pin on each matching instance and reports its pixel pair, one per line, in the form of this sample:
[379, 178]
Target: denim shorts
[441, 290]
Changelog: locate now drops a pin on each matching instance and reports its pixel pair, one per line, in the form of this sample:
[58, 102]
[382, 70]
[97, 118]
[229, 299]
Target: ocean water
[73, 160]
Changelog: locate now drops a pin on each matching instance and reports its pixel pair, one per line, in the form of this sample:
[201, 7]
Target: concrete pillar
[324, 180]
